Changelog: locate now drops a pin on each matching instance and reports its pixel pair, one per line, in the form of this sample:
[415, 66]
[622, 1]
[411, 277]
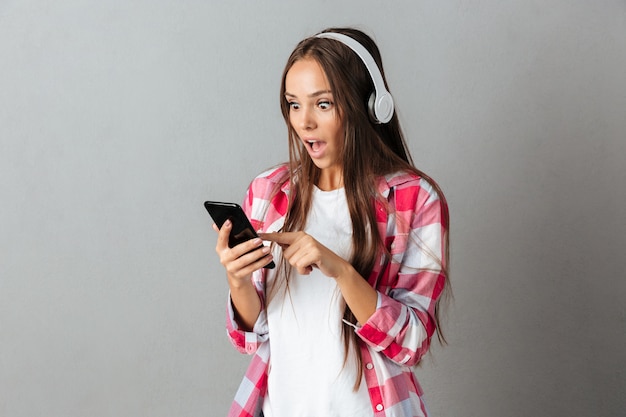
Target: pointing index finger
[285, 238]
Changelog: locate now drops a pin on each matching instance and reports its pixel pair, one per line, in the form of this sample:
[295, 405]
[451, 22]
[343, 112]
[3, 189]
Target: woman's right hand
[242, 260]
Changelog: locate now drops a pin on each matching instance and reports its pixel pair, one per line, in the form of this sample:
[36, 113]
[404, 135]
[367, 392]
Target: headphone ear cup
[380, 108]
[383, 107]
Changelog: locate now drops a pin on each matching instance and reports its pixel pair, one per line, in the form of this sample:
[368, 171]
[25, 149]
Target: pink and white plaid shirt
[398, 334]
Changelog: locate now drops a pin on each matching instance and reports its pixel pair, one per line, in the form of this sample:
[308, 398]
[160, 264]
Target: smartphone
[242, 229]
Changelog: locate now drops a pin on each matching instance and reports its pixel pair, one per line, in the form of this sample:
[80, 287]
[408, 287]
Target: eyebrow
[315, 94]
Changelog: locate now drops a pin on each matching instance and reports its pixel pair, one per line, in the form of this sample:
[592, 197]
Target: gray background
[119, 118]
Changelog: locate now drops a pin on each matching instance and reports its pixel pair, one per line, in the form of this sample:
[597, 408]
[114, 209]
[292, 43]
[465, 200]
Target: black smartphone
[242, 229]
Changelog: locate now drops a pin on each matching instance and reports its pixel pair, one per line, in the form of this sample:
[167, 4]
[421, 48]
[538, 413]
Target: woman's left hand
[303, 252]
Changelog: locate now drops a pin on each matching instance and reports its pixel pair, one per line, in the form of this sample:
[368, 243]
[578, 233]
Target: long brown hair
[369, 151]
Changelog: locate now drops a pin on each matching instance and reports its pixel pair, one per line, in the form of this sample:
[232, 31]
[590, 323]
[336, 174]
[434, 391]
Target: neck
[329, 181]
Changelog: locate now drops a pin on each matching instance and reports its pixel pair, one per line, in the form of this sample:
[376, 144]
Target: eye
[293, 105]
[325, 104]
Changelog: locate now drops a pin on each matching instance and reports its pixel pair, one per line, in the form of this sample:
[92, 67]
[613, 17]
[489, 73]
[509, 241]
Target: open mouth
[314, 145]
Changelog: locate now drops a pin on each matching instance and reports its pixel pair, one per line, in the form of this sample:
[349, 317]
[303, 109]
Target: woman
[360, 240]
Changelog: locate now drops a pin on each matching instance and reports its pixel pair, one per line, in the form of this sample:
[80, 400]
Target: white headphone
[380, 103]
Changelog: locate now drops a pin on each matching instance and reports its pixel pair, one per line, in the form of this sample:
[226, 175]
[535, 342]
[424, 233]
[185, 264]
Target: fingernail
[227, 223]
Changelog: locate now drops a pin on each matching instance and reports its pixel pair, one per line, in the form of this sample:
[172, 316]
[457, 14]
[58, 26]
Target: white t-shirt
[306, 373]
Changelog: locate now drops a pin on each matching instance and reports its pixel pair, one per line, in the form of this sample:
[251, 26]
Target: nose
[306, 118]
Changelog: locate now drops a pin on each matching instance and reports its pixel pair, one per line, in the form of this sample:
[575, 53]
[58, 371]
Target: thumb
[223, 233]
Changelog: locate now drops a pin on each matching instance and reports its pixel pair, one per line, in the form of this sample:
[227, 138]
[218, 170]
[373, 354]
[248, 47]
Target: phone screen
[242, 229]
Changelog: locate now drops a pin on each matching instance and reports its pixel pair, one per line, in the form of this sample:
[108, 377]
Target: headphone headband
[381, 103]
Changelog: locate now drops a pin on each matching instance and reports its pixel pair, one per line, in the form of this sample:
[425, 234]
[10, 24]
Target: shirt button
[379, 407]
[369, 366]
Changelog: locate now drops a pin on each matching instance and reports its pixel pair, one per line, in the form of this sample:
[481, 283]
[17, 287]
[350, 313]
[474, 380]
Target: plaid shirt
[409, 283]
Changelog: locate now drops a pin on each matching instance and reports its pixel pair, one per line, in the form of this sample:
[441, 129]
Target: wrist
[346, 272]
[238, 284]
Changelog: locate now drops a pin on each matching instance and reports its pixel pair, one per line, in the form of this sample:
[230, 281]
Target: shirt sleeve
[244, 341]
[404, 321]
